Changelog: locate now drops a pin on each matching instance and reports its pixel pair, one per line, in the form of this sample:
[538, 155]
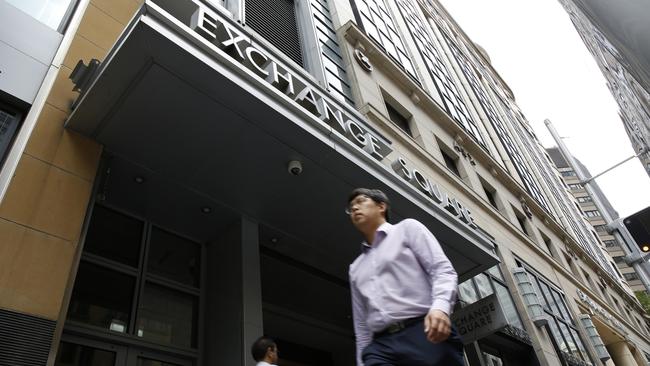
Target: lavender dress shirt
[402, 275]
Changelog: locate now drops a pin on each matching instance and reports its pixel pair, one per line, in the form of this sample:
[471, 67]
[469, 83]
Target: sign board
[479, 319]
[600, 312]
[228, 37]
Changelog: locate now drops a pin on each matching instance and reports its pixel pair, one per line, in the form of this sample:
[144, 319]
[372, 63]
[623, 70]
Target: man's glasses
[358, 200]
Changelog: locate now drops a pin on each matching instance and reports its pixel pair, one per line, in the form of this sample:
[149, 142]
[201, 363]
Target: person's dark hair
[375, 195]
[260, 346]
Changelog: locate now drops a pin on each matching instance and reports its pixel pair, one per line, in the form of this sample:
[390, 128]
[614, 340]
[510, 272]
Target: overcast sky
[537, 51]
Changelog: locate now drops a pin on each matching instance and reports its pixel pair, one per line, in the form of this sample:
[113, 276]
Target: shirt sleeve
[433, 260]
[362, 333]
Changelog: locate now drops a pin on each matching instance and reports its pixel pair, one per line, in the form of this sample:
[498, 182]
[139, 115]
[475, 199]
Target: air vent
[25, 340]
[275, 20]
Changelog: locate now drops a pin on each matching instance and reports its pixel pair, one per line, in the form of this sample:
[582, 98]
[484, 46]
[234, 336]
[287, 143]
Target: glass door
[139, 357]
[76, 351]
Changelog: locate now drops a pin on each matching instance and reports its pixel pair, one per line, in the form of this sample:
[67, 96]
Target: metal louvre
[275, 20]
[24, 339]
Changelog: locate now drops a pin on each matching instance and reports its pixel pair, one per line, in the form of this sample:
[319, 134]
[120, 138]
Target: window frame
[555, 321]
[142, 278]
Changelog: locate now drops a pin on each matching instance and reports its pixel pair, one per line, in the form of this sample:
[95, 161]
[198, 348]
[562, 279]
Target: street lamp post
[617, 228]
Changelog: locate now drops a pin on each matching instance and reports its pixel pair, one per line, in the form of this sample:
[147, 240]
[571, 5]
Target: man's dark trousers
[410, 347]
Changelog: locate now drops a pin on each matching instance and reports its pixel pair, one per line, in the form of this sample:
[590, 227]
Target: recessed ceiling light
[206, 209]
[138, 179]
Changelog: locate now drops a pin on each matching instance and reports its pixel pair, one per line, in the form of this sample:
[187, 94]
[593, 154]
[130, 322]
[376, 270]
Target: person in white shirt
[265, 351]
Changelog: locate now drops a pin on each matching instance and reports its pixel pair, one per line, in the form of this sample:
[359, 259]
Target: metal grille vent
[275, 20]
[25, 340]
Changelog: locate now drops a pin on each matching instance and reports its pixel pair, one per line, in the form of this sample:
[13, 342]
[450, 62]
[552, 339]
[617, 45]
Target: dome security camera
[294, 167]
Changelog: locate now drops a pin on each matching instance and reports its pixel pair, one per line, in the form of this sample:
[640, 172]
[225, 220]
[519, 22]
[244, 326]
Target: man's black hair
[261, 346]
[375, 195]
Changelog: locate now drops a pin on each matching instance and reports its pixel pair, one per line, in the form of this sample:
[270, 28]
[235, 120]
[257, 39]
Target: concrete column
[252, 323]
[233, 304]
[621, 354]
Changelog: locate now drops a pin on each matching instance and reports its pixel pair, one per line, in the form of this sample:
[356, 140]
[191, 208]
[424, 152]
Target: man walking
[403, 290]
[265, 352]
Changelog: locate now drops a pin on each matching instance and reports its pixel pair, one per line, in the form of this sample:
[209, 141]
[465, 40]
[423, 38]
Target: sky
[538, 52]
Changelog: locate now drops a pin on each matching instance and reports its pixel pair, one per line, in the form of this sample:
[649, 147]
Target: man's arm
[444, 280]
[362, 333]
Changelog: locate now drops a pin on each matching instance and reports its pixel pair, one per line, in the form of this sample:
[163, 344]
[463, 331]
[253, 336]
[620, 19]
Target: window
[592, 213]
[485, 284]
[601, 228]
[619, 259]
[616, 270]
[8, 125]
[276, 22]
[584, 199]
[447, 93]
[610, 243]
[521, 219]
[569, 173]
[588, 279]
[575, 186]
[374, 16]
[548, 244]
[560, 321]
[490, 193]
[450, 162]
[53, 13]
[331, 56]
[398, 119]
[572, 265]
[630, 276]
[74, 354]
[145, 288]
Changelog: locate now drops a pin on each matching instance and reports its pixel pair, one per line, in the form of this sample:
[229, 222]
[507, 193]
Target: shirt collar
[384, 229]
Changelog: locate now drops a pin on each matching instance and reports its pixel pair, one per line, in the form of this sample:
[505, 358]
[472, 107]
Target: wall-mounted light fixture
[527, 291]
[594, 337]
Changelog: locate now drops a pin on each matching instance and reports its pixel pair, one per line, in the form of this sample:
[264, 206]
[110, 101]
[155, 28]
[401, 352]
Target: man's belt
[398, 326]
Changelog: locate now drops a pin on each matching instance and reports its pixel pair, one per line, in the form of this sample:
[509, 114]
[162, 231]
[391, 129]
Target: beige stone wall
[44, 208]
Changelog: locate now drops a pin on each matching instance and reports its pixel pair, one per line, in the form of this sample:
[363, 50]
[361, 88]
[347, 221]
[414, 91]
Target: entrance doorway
[75, 351]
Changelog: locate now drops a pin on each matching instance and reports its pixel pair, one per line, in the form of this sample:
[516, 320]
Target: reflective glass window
[167, 316]
[102, 297]
[174, 257]
[77, 355]
[376, 21]
[114, 236]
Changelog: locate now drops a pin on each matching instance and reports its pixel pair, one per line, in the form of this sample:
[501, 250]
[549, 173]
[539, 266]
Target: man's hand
[437, 326]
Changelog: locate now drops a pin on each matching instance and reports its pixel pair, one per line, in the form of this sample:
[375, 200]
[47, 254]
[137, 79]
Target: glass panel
[558, 336]
[49, 12]
[466, 292]
[167, 316]
[114, 236]
[549, 298]
[581, 347]
[175, 258]
[8, 125]
[496, 272]
[571, 344]
[150, 362]
[483, 284]
[77, 355]
[508, 306]
[561, 306]
[102, 297]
